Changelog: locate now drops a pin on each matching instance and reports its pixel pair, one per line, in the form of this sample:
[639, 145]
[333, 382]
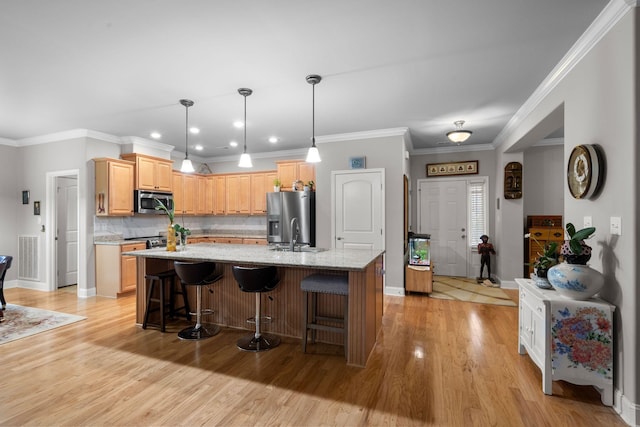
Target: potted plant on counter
[547, 259]
[276, 185]
[171, 234]
[183, 232]
[574, 278]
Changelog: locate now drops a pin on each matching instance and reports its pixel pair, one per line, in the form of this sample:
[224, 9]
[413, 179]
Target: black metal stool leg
[258, 341]
[200, 330]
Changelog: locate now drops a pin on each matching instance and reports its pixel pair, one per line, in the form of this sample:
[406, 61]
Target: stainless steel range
[151, 241]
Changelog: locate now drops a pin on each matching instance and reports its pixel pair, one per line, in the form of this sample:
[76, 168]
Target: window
[478, 216]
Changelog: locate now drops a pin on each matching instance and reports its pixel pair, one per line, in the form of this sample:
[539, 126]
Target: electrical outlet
[587, 222]
[616, 226]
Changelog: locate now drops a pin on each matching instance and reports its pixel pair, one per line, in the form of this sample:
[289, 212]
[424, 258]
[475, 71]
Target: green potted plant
[575, 250]
[276, 184]
[311, 185]
[545, 260]
[183, 232]
[171, 234]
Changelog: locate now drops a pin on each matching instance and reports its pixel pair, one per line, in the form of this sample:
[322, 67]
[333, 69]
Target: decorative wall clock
[584, 171]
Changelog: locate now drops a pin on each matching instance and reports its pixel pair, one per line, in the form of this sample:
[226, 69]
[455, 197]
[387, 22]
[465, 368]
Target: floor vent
[28, 260]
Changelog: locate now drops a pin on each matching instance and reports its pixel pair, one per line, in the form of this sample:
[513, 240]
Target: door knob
[463, 236]
[338, 238]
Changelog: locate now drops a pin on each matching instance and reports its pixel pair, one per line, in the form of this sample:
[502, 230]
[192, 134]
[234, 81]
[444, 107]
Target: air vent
[28, 258]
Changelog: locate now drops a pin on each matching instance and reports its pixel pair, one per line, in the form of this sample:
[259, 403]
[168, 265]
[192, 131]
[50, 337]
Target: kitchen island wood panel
[285, 303]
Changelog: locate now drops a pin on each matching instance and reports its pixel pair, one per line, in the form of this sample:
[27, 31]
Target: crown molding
[67, 135]
[136, 140]
[453, 149]
[358, 136]
[604, 22]
[9, 142]
[549, 142]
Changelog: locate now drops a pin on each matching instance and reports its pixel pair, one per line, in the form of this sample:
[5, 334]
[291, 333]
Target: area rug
[463, 289]
[20, 322]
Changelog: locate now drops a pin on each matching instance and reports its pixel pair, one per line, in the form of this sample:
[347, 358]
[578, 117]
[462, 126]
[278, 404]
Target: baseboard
[86, 293]
[392, 290]
[36, 286]
[508, 284]
[628, 411]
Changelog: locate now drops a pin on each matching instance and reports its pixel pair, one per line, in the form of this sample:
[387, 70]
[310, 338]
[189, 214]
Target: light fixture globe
[187, 166]
[459, 135]
[245, 158]
[313, 155]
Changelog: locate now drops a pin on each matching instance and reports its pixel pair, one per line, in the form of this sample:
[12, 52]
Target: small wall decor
[585, 171]
[25, 197]
[453, 168]
[357, 162]
[36, 208]
[513, 180]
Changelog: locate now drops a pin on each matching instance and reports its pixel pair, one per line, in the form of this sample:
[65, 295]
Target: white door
[358, 200]
[67, 231]
[442, 213]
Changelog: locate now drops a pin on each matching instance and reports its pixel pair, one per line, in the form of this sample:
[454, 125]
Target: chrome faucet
[294, 237]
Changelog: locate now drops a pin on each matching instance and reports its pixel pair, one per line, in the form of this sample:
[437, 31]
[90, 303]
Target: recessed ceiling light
[238, 123]
[194, 130]
[273, 139]
[199, 147]
[156, 135]
[233, 144]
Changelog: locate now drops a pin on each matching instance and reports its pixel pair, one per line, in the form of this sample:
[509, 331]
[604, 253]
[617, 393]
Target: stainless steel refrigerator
[282, 208]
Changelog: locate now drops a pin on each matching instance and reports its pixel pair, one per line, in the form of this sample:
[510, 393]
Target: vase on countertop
[574, 278]
[171, 239]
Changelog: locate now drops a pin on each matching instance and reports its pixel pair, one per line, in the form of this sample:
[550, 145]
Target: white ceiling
[120, 66]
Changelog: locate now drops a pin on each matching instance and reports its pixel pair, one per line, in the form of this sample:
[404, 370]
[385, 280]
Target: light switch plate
[616, 225]
[587, 222]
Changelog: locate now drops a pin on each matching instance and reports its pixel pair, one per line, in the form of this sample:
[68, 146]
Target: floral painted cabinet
[569, 340]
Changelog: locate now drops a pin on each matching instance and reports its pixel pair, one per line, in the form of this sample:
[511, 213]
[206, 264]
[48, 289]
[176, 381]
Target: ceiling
[120, 67]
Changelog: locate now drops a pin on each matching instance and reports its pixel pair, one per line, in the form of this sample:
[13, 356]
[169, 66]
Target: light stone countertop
[333, 259]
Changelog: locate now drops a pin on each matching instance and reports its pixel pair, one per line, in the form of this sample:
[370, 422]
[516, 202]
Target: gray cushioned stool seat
[324, 284]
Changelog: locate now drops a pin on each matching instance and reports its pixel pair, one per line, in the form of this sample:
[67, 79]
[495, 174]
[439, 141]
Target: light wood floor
[437, 363]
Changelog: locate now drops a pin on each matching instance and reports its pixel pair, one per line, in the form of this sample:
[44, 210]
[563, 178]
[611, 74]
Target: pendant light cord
[245, 124]
[313, 115]
[186, 136]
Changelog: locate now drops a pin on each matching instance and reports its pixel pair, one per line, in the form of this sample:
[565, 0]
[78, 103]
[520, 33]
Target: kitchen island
[284, 304]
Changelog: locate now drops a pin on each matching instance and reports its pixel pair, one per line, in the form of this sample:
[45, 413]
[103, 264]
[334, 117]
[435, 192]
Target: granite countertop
[242, 234]
[334, 259]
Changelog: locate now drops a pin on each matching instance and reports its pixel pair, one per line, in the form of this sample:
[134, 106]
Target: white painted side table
[567, 339]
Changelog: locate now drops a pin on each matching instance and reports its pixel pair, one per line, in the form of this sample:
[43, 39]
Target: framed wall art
[453, 168]
[357, 162]
[513, 180]
[25, 197]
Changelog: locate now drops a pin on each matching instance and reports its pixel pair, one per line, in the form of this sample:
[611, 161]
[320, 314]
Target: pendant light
[313, 156]
[245, 158]
[187, 166]
[459, 135]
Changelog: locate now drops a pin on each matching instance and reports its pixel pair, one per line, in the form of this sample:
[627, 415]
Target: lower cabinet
[567, 339]
[116, 274]
[419, 278]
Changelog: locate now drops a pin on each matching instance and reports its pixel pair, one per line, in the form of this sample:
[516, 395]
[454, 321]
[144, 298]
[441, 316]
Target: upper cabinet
[238, 197]
[185, 190]
[290, 171]
[151, 173]
[261, 184]
[114, 187]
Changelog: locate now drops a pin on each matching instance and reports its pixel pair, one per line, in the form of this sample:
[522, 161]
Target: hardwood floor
[437, 363]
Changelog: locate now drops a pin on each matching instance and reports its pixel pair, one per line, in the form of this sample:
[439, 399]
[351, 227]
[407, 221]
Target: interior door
[358, 209]
[67, 231]
[442, 213]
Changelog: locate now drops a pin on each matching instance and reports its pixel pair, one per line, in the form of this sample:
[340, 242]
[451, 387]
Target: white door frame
[333, 203]
[50, 231]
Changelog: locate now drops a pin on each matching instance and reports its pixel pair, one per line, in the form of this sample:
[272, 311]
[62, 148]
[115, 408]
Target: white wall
[543, 173]
[600, 101]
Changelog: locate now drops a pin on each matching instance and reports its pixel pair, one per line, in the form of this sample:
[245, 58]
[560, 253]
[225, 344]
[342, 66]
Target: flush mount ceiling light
[313, 156]
[459, 135]
[156, 135]
[245, 158]
[187, 166]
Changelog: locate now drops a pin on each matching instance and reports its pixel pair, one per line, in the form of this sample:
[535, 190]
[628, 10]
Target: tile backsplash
[115, 228]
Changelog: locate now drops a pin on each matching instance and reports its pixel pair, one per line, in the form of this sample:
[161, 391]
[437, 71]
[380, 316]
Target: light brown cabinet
[254, 241]
[290, 171]
[261, 184]
[419, 278]
[185, 188]
[205, 195]
[238, 194]
[543, 229]
[232, 240]
[114, 187]
[116, 274]
[220, 191]
[151, 173]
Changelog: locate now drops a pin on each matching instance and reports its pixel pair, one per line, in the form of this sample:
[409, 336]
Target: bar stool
[198, 274]
[324, 284]
[159, 281]
[5, 260]
[258, 280]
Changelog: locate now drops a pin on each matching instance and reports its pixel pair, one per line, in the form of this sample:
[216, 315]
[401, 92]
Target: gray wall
[11, 201]
[543, 174]
[386, 153]
[599, 100]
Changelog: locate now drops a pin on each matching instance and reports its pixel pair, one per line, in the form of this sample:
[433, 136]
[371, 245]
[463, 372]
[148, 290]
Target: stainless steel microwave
[145, 202]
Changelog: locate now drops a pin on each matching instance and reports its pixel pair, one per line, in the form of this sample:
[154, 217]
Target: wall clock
[584, 171]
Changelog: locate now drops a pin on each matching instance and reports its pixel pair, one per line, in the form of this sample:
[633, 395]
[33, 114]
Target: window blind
[477, 211]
